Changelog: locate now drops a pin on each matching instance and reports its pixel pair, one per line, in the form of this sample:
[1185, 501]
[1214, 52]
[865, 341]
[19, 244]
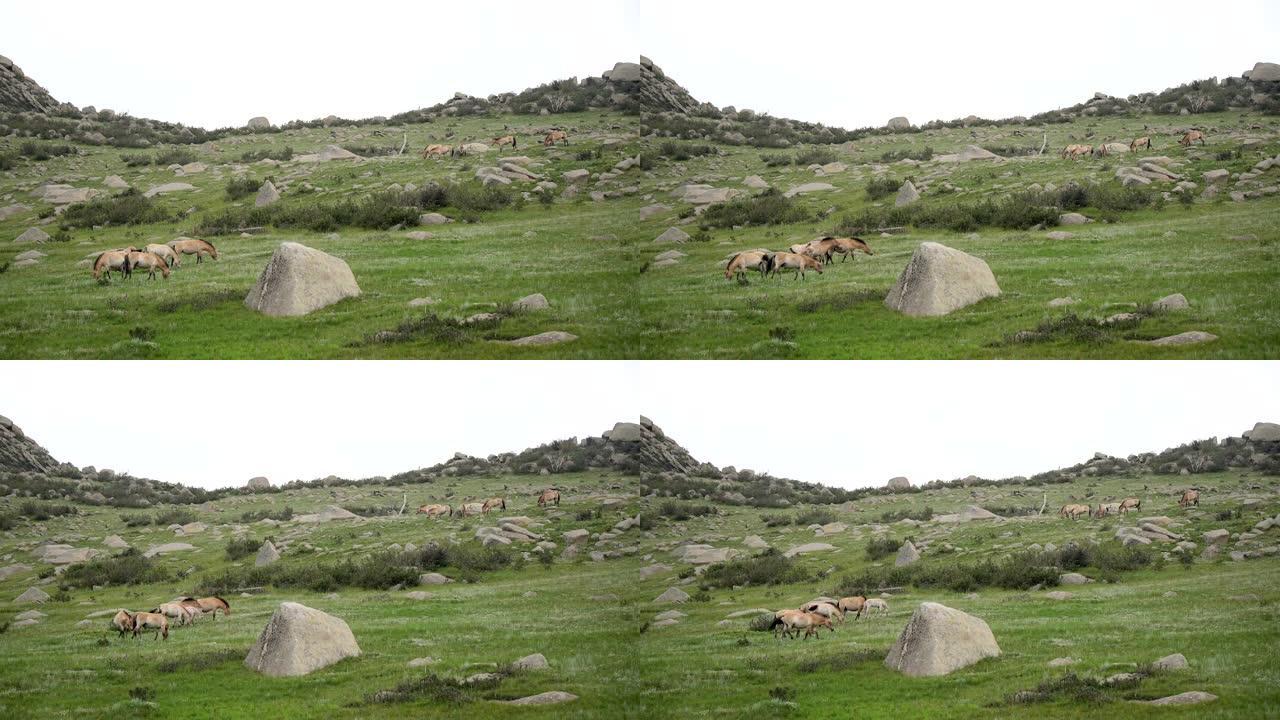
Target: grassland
[1220, 254]
[592, 619]
[571, 251]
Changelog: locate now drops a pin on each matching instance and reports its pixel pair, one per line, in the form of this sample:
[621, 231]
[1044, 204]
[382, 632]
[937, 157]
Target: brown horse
[122, 622]
[554, 137]
[793, 621]
[853, 604]
[1074, 511]
[550, 496]
[1105, 509]
[150, 262]
[1142, 142]
[493, 503]
[151, 621]
[211, 604]
[1130, 503]
[796, 262]
[739, 264]
[1189, 497]
[435, 151]
[1191, 137]
[117, 260]
[194, 246]
[827, 247]
[436, 511]
[505, 140]
[1075, 152]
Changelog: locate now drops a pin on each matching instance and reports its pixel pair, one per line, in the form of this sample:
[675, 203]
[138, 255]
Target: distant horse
[1191, 137]
[1074, 511]
[505, 140]
[435, 151]
[554, 137]
[165, 252]
[855, 604]
[795, 262]
[472, 508]
[876, 605]
[1075, 152]
[435, 511]
[550, 496]
[1130, 503]
[493, 503]
[194, 246]
[1142, 142]
[1189, 497]
[211, 604]
[123, 622]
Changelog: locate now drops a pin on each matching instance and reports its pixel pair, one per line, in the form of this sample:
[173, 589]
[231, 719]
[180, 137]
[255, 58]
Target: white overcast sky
[842, 63]
[220, 423]
[218, 64]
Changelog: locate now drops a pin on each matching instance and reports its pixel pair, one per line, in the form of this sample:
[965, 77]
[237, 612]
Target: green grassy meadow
[592, 619]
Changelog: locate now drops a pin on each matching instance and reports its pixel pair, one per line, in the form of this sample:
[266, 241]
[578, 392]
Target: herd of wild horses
[823, 612]
[436, 150]
[799, 258]
[1076, 511]
[153, 258]
[1143, 143]
[546, 498]
[184, 611]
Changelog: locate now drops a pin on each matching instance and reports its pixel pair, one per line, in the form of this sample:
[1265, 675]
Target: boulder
[432, 219]
[1176, 661]
[536, 661]
[703, 554]
[1187, 698]
[755, 542]
[907, 554]
[671, 595]
[267, 554]
[536, 301]
[1264, 432]
[167, 548]
[32, 595]
[333, 152]
[939, 640]
[907, 194]
[1176, 301]
[258, 483]
[576, 177]
[898, 483]
[32, 235]
[1058, 595]
[433, 578]
[267, 194]
[329, 514]
[30, 615]
[299, 640]
[672, 235]
[807, 188]
[1193, 337]
[808, 548]
[755, 182]
[115, 542]
[299, 280]
[899, 123]
[1072, 219]
[551, 337]
[115, 182]
[939, 280]
[258, 123]
[1264, 72]
[550, 697]
[655, 569]
[1217, 177]
[9, 571]
[1072, 578]
[167, 188]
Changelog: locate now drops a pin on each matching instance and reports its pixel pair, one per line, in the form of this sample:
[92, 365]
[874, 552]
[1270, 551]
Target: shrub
[770, 207]
[683, 151]
[7, 162]
[41, 152]
[924, 514]
[815, 156]
[43, 511]
[683, 511]
[242, 547]
[201, 661]
[128, 208]
[882, 187]
[269, 154]
[129, 567]
[768, 568]
[242, 187]
[843, 661]
[142, 694]
[7, 522]
[256, 515]
[815, 516]
[882, 547]
[175, 156]
[138, 160]
[896, 155]
[761, 622]
[175, 516]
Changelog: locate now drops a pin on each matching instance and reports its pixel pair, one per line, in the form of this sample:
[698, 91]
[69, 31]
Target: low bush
[175, 516]
[129, 567]
[286, 513]
[815, 516]
[882, 547]
[895, 155]
[683, 510]
[882, 187]
[242, 187]
[923, 514]
[175, 156]
[42, 151]
[768, 568]
[683, 151]
[285, 153]
[128, 208]
[202, 661]
[242, 547]
[843, 661]
[770, 207]
[34, 510]
[817, 155]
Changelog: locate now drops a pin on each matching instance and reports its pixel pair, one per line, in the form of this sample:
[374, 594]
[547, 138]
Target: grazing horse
[122, 622]
[178, 610]
[550, 496]
[791, 622]
[165, 252]
[493, 503]
[1075, 152]
[853, 604]
[151, 621]
[435, 151]
[1130, 503]
[554, 137]
[471, 508]
[505, 140]
[1074, 511]
[1101, 151]
[1189, 497]
[194, 246]
[796, 262]
[846, 247]
[150, 262]
[436, 511]
[211, 604]
[1105, 509]
[739, 264]
[1191, 137]
[458, 151]
[825, 609]
[1142, 142]
[117, 260]
[876, 605]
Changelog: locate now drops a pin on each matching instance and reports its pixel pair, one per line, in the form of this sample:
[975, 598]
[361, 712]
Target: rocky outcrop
[19, 93]
[659, 93]
[19, 453]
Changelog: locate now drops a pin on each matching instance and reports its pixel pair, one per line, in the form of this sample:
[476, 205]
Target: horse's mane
[224, 602]
[206, 242]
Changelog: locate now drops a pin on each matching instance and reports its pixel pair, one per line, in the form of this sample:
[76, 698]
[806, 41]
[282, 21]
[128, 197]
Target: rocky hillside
[19, 93]
[669, 111]
[19, 453]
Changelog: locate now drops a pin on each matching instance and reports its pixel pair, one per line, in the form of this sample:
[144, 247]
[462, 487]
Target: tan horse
[825, 609]
[876, 605]
[150, 262]
[505, 140]
[165, 252]
[436, 511]
[796, 262]
[1191, 137]
[550, 496]
[211, 604]
[1142, 142]
[436, 151]
[792, 622]
[554, 137]
[1076, 152]
[179, 611]
[112, 260]
[1074, 511]
[471, 508]
[493, 503]
[194, 246]
[1189, 497]
[151, 621]
[122, 622]
[1105, 509]
[1130, 503]
[760, 260]
[853, 604]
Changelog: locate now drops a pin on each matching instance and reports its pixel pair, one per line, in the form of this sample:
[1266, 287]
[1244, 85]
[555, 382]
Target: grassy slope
[55, 310]
[1221, 255]
[1223, 619]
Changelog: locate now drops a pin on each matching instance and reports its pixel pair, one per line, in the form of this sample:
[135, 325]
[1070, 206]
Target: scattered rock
[546, 698]
[672, 235]
[547, 338]
[267, 554]
[168, 188]
[298, 640]
[939, 640]
[1176, 661]
[907, 194]
[168, 548]
[32, 595]
[32, 235]
[536, 301]
[939, 280]
[808, 548]
[1193, 337]
[1187, 698]
[535, 661]
[1176, 301]
[907, 554]
[267, 195]
[672, 595]
[299, 280]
